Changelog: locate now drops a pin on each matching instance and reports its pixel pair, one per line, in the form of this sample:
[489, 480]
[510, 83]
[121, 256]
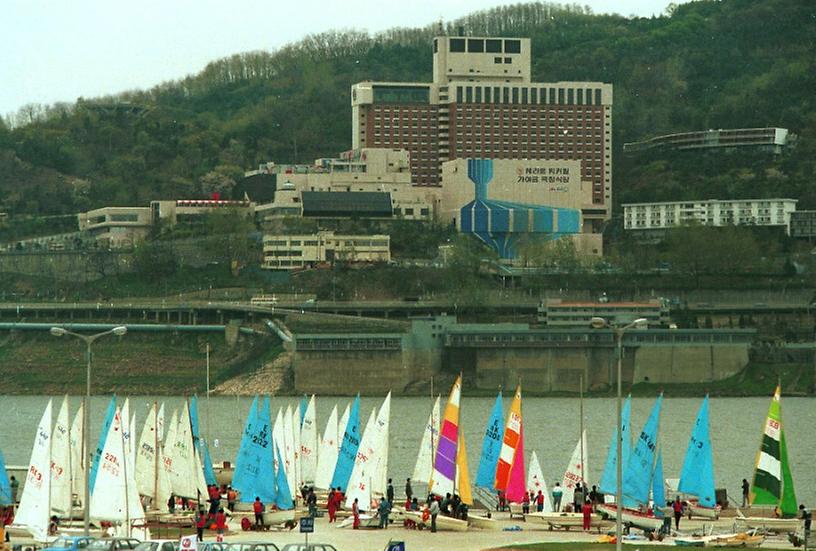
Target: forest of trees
[705, 64]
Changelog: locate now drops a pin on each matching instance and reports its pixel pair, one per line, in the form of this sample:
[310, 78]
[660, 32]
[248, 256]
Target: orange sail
[512, 436]
[462, 473]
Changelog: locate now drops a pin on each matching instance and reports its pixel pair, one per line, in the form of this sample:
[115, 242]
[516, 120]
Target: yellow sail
[462, 474]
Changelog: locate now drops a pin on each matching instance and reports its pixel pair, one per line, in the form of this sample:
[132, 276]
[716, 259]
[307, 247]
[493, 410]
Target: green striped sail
[773, 482]
[767, 487]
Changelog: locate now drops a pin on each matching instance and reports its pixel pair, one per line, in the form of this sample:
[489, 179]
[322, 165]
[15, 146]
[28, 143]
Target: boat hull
[483, 523]
[771, 524]
[697, 510]
[442, 522]
[632, 517]
[563, 520]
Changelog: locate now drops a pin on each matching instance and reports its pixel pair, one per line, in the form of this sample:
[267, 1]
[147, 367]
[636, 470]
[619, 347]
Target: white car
[158, 545]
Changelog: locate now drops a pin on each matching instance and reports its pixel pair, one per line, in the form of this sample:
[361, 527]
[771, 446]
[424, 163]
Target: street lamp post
[88, 340]
[600, 323]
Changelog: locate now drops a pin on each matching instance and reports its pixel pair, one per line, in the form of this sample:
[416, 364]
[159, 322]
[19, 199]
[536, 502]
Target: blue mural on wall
[500, 224]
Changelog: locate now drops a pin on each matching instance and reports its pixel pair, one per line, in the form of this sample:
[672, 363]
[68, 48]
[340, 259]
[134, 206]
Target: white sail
[201, 482]
[296, 446]
[78, 455]
[308, 443]
[359, 485]
[427, 448]
[33, 512]
[160, 427]
[577, 470]
[288, 451]
[341, 426]
[184, 480]
[151, 476]
[61, 466]
[536, 483]
[277, 437]
[327, 456]
[379, 477]
[168, 452]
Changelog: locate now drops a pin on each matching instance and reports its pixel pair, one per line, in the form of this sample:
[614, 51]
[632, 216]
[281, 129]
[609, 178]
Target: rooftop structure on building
[712, 212]
[295, 252]
[560, 313]
[382, 171]
[119, 227]
[482, 104]
[769, 139]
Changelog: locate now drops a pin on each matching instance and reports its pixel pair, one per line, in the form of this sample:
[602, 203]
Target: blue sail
[348, 449]
[5, 486]
[491, 446]
[609, 479]
[304, 403]
[253, 476]
[658, 488]
[638, 473]
[102, 436]
[697, 476]
[201, 443]
[284, 497]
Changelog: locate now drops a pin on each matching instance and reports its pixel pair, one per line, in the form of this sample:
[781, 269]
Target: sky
[59, 50]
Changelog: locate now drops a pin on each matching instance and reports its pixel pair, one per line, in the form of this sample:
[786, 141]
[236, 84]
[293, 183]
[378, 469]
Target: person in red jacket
[220, 525]
[331, 505]
[540, 502]
[355, 510]
[201, 523]
[258, 507]
[587, 511]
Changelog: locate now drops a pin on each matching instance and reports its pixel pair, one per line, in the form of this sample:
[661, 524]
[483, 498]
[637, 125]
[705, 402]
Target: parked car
[253, 546]
[69, 543]
[309, 547]
[211, 546]
[112, 544]
[162, 545]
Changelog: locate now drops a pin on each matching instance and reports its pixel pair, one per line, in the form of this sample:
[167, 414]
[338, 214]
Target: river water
[551, 428]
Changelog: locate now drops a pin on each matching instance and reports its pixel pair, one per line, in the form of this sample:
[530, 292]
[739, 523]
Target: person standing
[389, 491]
[540, 502]
[409, 492]
[311, 502]
[434, 512]
[331, 506]
[746, 489]
[171, 504]
[677, 507]
[383, 509]
[807, 516]
[587, 511]
[15, 485]
[258, 508]
[525, 504]
[355, 511]
[200, 522]
[557, 493]
[232, 496]
[578, 498]
[220, 525]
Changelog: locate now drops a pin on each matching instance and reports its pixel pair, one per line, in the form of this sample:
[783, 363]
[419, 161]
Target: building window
[487, 94]
[560, 96]
[515, 95]
[475, 45]
[457, 45]
[469, 94]
[496, 97]
[506, 95]
[597, 96]
[459, 95]
[508, 60]
[570, 96]
[552, 96]
[478, 97]
[497, 60]
[512, 46]
[493, 46]
[524, 92]
[534, 95]
[580, 97]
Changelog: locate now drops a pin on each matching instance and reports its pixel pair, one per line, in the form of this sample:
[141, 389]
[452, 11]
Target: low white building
[714, 212]
[292, 252]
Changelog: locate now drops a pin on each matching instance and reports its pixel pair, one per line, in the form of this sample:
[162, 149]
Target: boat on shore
[770, 524]
[632, 517]
[483, 523]
[442, 522]
[563, 521]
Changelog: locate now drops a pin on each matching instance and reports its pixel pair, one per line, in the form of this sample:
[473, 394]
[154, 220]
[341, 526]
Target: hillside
[707, 64]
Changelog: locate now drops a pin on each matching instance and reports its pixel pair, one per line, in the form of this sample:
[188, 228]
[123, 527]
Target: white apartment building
[714, 212]
[292, 252]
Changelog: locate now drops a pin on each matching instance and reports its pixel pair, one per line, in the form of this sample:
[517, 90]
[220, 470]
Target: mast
[155, 455]
[207, 412]
[581, 426]
[433, 458]
[125, 454]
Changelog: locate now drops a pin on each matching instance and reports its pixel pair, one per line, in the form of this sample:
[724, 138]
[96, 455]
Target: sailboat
[697, 476]
[609, 478]
[78, 456]
[111, 411]
[116, 497]
[510, 466]
[444, 474]
[577, 470]
[427, 447]
[536, 482]
[34, 510]
[151, 477]
[359, 486]
[61, 465]
[348, 448]
[773, 481]
[308, 442]
[491, 447]
[327, 456]
[637, 478]
[5, 485]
